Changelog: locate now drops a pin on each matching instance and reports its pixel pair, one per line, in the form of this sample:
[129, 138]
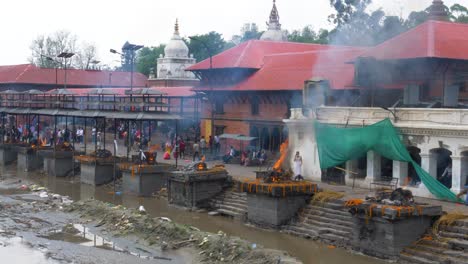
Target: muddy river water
[306, 250]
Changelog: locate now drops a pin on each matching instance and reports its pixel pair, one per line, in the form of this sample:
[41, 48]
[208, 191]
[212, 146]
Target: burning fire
[284, 153]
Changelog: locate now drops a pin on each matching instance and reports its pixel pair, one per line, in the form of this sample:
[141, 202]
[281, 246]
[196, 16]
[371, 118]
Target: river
[307, 251]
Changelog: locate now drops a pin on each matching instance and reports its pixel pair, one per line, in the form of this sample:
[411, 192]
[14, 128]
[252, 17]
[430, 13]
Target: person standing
[298, 167]
[217, 144]
[182, 149]
[203, 145]
[196, 151]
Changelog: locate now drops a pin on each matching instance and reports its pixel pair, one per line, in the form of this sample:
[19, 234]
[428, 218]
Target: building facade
[418, 80]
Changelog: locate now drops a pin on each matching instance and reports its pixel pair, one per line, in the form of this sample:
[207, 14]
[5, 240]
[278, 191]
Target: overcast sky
[108, 24]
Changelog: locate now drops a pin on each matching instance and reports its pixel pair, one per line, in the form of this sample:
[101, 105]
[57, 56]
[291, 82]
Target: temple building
[418, 80]
[274, 32]
[171, 66]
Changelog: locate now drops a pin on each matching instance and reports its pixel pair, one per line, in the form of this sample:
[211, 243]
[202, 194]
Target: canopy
[338, 145]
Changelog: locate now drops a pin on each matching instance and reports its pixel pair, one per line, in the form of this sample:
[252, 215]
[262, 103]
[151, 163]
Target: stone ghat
[202, 175]
[282, 189]
[392, 212]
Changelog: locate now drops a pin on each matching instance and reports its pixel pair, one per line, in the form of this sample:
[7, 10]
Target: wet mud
[116, 245]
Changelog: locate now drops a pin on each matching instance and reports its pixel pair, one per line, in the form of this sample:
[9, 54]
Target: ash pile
[398, 197]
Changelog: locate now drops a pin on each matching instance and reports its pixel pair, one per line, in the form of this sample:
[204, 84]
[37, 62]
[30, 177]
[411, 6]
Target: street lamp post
[65, 56]
[213, 105]
[132, 48]
[55, 66]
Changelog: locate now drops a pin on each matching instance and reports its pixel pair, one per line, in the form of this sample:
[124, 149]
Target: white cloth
[297, 167]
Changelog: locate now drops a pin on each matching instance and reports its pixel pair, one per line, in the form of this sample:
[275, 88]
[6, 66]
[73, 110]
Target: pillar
[458, 173]
[400, 171]
[429, 163]
[351, 166]
[373, 166]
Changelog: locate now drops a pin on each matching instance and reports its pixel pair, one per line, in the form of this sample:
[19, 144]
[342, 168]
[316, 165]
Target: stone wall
[425, 129]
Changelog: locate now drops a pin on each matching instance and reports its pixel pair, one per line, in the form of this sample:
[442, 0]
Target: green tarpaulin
[338, 145]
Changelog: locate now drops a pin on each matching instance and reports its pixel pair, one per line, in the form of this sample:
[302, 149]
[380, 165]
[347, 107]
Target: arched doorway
[275, 139]
[444, 166]
[265, 139]
[254, 133]
[413, 178]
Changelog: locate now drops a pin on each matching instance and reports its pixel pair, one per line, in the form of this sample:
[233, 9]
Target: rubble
[166, 234]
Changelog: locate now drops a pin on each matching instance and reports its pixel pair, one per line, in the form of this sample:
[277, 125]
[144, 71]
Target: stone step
[347, 218]
[456, 229]
[447, 234]
[434, 243]
[231, 213]
[315, 209]
[463, 222]
[233, 204]
[335, 239]
[337, 229]
[429, 254]
[336, 205]
[233, 209]
[458, 243]
[324, 219]
[232, 200]
[303, 231]
[408, 258]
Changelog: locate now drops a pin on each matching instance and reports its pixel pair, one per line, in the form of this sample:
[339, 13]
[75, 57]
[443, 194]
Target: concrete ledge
[144, 181]
[97, 174]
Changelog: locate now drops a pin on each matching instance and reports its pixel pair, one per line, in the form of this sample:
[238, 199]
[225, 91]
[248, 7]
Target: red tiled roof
[432, 39]
[180, 91]
[30, 74]
[288, 71]
[250, 54]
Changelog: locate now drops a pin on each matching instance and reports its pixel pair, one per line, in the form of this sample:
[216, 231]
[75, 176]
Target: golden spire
[176, 31]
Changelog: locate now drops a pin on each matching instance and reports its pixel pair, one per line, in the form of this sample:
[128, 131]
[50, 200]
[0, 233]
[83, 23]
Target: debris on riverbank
[167, 235]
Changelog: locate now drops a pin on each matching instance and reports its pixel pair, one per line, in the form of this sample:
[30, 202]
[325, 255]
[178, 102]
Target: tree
[214, 42]
[146, 61]
[347, 10]
[459, 13]
[47, 47]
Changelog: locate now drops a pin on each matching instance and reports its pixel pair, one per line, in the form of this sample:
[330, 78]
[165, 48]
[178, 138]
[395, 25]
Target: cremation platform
[143, 180]
[58, 163]
[275, 204]
[384, 231]
[194, 189]
[97, 171]
[7, 154]
[28, 159]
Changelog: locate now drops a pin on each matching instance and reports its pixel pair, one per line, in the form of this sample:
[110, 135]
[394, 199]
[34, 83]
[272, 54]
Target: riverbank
[305, 250]
[92, 231]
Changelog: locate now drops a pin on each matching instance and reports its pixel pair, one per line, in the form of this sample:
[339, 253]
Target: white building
[175, 60]
[274, 32]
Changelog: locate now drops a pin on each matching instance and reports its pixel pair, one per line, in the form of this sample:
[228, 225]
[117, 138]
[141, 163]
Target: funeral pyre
[390, 204]
[277, 181]
[99, 156]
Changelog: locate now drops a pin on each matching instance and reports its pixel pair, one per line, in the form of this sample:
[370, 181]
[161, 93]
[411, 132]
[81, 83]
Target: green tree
[214, 42]
[146, 61]
[459, 13]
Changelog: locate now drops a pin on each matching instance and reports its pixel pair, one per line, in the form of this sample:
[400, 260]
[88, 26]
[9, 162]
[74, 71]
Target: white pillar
[458, 173]
[351, 166]
[400, 171]
[429, 164]
[373, 166]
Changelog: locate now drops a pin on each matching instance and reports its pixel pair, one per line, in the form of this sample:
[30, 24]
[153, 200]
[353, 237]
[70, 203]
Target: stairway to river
[231, 203]
[450, 246]
[329, 221]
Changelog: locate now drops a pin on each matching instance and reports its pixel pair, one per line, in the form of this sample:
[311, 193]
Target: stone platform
[194, 189]
[146, 179]
[58, 163]
[28, 159]
[384, 231]
[7, 154]
[275, 204]
[98, 172]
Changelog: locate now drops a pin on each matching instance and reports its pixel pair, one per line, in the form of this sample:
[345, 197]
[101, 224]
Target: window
[219, 107]
[255, 107]
[219, 130]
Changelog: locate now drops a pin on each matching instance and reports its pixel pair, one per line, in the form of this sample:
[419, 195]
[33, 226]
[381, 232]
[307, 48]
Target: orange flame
[284, 153]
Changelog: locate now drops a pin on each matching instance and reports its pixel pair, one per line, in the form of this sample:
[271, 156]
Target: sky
[109, 23]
